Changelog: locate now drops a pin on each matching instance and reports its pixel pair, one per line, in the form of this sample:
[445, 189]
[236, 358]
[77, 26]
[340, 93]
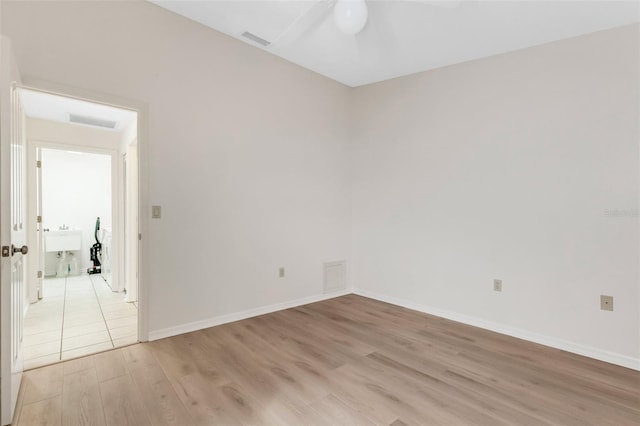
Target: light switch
[155, 212]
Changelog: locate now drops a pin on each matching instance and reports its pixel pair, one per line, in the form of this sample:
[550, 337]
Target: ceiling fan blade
[306, 23]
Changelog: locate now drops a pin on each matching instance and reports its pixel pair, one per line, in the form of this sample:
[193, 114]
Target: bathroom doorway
[83, 284]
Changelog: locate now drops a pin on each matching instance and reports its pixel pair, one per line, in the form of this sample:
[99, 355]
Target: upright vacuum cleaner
[96, 252]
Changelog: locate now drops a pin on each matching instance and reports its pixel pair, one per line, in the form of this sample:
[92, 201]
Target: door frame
[143, 180]
[130, 217]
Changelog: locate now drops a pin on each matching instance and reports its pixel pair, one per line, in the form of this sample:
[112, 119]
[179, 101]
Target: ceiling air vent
[256, 39]
[92, 121]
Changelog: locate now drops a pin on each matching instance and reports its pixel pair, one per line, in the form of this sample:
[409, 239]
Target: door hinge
[38, 164]
[6, 251]
[139, 237]
[39, 219]
[39, 274]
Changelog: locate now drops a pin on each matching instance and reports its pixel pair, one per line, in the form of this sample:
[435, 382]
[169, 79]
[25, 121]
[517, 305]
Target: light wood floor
[348, 360]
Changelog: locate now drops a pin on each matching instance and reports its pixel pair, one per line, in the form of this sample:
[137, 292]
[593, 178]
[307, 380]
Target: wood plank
[175, 361]
[247, 370]
[46, 412]
[426, 409]
[138, 357]
[81, 402]
[79, 364]
[244, 407]
[204, 402]
[122, 402]
[42, 383]
[197, 354]
[160, 399]
[331, 411]
[499, 407]
[297, 384]
[110, 364]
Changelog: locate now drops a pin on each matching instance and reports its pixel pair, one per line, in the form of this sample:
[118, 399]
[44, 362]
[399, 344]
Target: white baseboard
[237, 316]
[565, 345]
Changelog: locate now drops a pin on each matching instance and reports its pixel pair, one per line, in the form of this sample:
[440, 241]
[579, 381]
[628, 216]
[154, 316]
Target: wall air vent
[256, 39]
[335, 276]
[92, 121]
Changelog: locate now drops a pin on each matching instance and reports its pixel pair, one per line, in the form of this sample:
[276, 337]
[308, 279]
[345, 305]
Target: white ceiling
[402, 37]
[58, 108]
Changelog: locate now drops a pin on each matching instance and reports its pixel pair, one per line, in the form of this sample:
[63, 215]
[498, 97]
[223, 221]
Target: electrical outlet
[497, 285]
[156, 212]
[281, 272]
[606, 303]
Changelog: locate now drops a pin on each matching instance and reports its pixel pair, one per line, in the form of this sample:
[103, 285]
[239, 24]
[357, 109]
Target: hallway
[78, 315]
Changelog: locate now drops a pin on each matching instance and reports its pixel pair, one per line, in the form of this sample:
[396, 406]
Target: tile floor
[78, 315]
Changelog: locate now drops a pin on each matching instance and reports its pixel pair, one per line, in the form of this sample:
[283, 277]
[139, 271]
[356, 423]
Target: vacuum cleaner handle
[95, 234]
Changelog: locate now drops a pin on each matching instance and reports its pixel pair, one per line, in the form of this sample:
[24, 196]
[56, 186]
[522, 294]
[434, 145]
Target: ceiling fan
[349, 16]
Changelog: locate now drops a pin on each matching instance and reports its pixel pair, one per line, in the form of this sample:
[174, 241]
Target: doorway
[83, 212]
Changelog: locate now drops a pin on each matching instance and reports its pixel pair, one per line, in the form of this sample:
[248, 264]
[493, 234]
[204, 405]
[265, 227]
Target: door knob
[23, 249]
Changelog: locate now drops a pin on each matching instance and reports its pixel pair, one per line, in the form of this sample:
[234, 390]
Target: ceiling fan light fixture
[350, 16]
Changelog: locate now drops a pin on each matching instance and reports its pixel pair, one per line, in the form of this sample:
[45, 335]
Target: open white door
[35, 238]
[12, 232]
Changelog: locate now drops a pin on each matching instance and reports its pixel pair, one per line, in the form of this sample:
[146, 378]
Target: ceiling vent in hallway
[92, 121]
[256, 39]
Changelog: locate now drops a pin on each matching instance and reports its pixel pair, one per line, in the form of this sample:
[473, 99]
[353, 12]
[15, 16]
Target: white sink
[67, 240]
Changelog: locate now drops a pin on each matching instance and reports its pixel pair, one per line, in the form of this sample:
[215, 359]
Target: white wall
[505, 168]
[247, 153]
[76, 188]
